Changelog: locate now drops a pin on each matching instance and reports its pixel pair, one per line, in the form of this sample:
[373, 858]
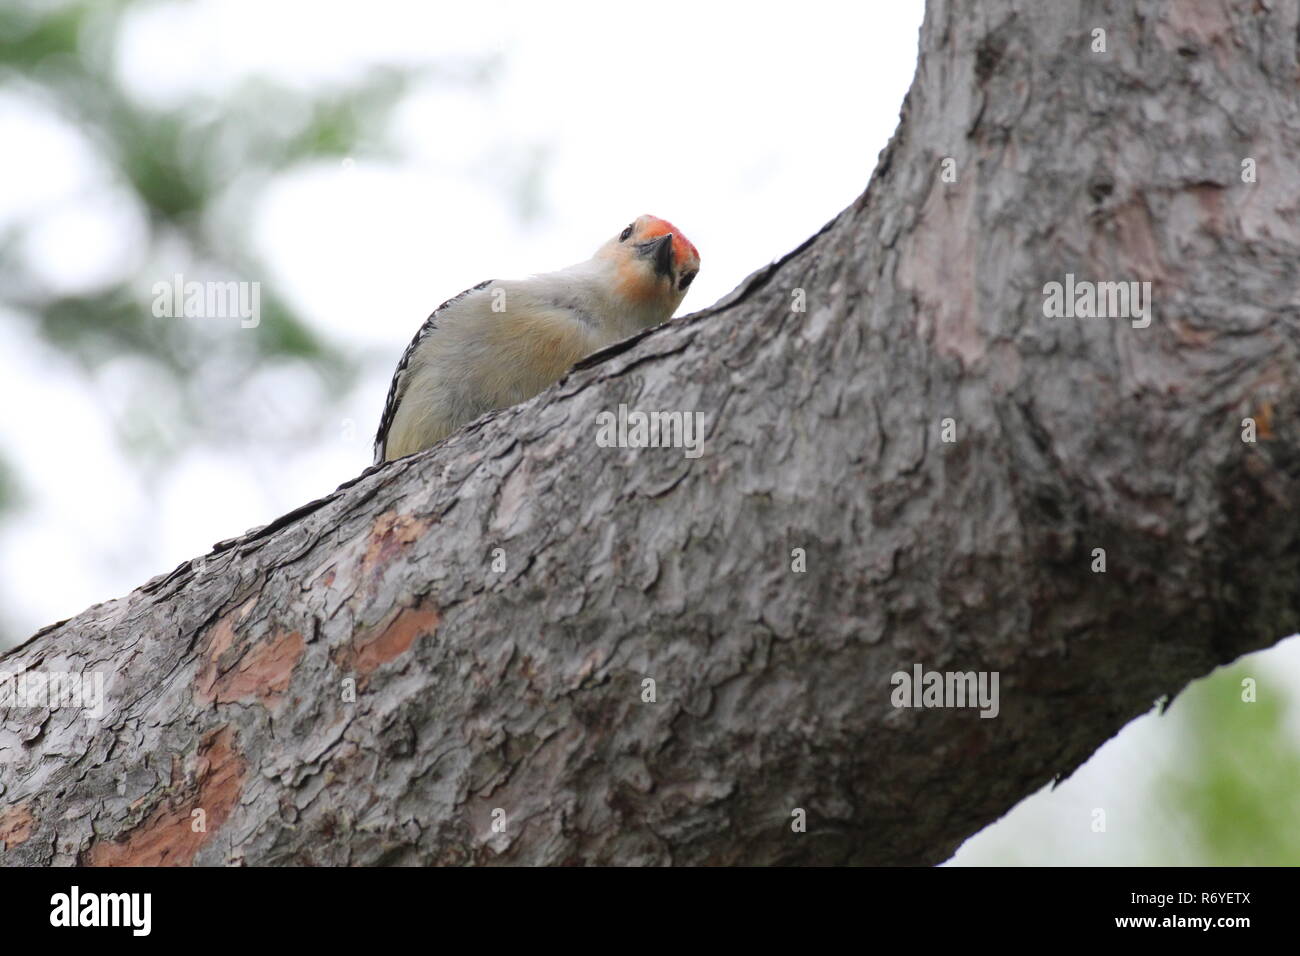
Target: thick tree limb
[522, 690]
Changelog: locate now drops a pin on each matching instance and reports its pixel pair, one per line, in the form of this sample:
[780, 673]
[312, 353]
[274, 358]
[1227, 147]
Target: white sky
[747, 125]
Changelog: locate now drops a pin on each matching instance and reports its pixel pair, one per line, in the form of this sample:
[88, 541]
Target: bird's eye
[686, 280]
[625, 233]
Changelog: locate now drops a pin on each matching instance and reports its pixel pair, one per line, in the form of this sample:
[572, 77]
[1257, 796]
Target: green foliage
[1239, 783]
[193, 172]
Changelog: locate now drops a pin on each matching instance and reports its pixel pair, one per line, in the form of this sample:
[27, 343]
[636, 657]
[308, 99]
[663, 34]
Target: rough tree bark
[522, 690]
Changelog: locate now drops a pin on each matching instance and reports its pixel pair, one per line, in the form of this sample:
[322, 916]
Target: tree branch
[518, 695]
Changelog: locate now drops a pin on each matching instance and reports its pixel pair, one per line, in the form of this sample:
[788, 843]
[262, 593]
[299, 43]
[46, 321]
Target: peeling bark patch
[1209, 198]
[940, 272]
[221, 638]
[395, 638]
[1203, 23]
[263, 672]
[1264, 421]
[511, 500]
[1136, 242]
[390, 536]
[168, 838]
[15, 825]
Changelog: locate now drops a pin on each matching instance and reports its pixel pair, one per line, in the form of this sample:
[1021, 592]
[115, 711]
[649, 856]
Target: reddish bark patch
[16, 825]
[1264, 421]
[395, 638]
[221, 637]
[387, 640]
[940, 272]
[168, 837]
[1136, 243]
[262, 672]
[390, 536]
[1209, 199]
[1191, 24]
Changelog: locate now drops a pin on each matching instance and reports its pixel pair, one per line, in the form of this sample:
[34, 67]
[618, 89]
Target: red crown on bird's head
[684, 250]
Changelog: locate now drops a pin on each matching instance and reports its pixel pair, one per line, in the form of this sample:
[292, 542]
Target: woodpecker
[502, 342]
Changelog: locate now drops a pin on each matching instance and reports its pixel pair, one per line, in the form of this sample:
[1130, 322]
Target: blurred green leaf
[1238, 784]
[178, 167]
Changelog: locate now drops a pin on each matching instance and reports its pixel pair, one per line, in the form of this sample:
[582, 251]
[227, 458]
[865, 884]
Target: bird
[501, 342]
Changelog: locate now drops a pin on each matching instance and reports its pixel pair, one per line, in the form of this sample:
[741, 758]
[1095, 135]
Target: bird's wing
[398, 387]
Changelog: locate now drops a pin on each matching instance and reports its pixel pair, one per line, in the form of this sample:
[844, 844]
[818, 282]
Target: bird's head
[654, 265]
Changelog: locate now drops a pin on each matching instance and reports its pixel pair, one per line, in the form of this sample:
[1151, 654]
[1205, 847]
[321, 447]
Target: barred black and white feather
[398, 386]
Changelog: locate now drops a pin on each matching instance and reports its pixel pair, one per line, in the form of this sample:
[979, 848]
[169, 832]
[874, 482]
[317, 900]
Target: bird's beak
[661, 250]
